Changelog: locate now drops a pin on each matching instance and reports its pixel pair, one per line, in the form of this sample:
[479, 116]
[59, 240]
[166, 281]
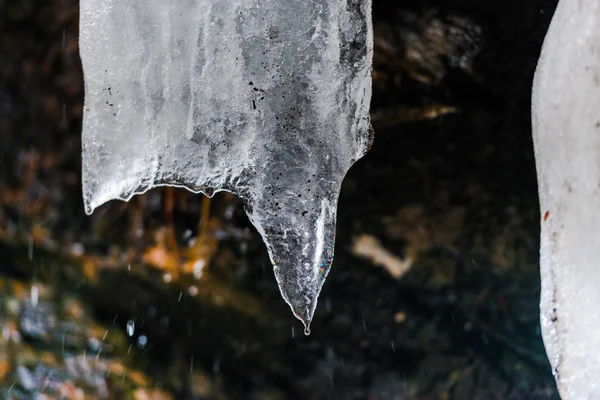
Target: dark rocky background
[434, 290]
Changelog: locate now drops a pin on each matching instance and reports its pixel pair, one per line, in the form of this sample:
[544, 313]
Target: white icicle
[566, 132]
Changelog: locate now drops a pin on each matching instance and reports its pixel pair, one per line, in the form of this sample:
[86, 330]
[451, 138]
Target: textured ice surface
[566, 132]
[267, 99]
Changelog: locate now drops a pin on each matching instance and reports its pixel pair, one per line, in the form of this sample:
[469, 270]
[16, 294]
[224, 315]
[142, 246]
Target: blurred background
[434, 290]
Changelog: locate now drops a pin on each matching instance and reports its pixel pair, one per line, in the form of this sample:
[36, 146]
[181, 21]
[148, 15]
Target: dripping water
[307, 329]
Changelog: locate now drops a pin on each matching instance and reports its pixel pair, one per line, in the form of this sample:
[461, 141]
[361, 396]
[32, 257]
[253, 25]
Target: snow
[266, 99]
[566, 132]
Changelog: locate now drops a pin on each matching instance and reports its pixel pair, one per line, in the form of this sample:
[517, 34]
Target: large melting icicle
[566, 132]
[267, 99]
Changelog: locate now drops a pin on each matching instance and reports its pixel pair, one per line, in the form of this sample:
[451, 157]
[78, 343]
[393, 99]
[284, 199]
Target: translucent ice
[267, 99]
[566, 132]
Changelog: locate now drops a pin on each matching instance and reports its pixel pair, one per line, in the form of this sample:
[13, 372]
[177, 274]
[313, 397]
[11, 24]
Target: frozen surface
[566, 132]
[267, 99]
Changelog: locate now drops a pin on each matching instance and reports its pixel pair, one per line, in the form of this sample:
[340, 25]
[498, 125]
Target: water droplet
[198, 268]
[34, 295]
[307, 330]
[77, 249]
[142, 341]
[130, 327]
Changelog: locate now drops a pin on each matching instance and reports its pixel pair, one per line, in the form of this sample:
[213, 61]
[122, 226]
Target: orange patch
[546, 215]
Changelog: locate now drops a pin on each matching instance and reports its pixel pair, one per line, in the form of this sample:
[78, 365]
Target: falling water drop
[130, 327]
[34, 295]
[198, 268]
[142, 342]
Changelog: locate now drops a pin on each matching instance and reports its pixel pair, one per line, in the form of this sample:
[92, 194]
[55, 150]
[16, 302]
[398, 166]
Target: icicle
[566, 132]
[268, 100]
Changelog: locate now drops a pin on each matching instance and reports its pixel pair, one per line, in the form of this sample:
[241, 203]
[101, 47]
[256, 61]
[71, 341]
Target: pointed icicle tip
[299, 293]
[306, 327]
[301, 249]
[306, 317]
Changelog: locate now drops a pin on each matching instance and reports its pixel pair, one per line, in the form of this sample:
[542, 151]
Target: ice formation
[266, 99]
[566, 132]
